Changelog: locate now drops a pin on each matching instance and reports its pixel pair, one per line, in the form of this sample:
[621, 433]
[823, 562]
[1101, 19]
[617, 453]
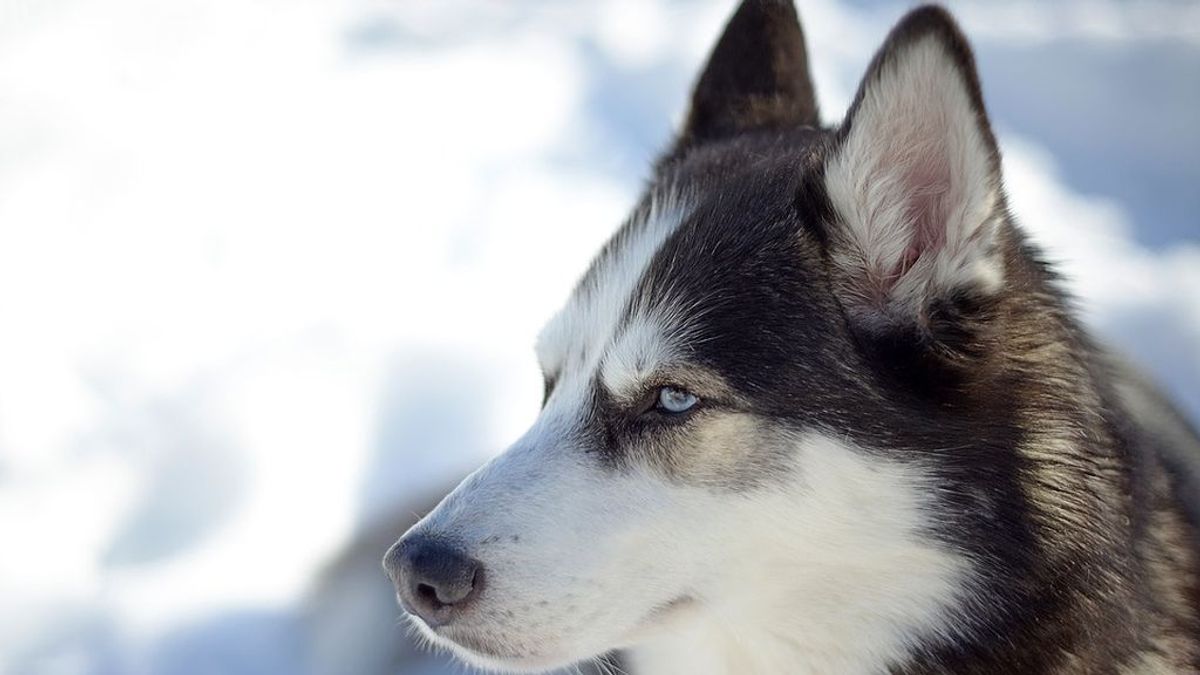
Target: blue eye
[675, 401]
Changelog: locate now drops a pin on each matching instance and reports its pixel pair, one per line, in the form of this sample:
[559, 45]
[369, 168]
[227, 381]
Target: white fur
[636, 353]
[577, 338]
[829, 571]
[832, 573]
[915, 148]
[545, 491]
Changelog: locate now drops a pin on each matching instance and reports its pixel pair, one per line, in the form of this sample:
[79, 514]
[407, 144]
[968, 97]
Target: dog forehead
[661, 274]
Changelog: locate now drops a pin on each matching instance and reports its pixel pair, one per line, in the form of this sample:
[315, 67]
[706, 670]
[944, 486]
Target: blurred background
[271, 271]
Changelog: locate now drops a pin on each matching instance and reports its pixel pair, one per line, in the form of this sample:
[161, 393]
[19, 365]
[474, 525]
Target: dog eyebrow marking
[576, 339]
[638, 351]
[652, 351]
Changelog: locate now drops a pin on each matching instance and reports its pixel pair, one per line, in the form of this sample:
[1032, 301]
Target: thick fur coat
[819, 406]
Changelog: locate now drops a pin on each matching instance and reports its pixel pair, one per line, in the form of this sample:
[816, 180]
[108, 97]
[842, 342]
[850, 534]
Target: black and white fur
[907, 455]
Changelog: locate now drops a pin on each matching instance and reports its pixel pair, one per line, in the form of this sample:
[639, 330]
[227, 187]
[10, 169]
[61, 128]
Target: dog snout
[433, 580]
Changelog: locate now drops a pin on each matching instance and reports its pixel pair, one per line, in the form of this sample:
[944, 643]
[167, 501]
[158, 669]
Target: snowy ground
[270, 268]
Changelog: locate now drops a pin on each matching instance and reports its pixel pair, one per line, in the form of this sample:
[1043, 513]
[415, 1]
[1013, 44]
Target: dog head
[735, 385]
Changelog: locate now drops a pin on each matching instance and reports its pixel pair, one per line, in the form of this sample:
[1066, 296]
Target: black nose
[433, 580]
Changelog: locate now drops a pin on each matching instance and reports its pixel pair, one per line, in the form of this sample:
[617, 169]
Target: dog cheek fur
[724, 451]
[838, 546]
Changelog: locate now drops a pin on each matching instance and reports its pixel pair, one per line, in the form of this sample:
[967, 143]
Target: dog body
[818, 407]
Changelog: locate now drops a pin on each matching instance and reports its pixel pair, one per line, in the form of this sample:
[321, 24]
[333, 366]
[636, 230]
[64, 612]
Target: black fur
[1089, 555]
[758, 77]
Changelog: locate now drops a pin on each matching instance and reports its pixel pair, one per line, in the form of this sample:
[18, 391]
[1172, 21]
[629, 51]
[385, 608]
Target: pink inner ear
[928, 182]
[913, 182]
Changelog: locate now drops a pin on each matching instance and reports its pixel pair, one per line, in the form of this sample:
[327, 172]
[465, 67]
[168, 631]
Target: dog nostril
[433, 580]
[428, 594]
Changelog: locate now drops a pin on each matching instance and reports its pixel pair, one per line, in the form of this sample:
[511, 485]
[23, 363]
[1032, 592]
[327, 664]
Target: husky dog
[819, 407]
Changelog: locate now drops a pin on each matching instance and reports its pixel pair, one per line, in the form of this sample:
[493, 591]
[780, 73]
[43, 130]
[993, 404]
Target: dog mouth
[480, 644]
[488, 650]
[491, 650]
[667, 611]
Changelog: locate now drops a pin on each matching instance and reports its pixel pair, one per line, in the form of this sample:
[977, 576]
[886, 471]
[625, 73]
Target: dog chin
[489, 652]
[524, 664]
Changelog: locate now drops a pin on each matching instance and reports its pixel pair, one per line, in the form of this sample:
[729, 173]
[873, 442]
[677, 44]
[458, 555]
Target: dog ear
[756, 77]
[914, 181]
